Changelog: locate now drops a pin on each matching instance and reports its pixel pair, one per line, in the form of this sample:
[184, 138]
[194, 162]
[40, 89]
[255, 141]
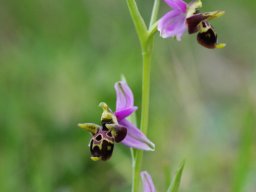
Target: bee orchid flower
[186, 17]
[115, 127]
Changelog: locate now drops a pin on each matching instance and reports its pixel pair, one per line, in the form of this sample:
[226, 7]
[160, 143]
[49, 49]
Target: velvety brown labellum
[102, 143]
[207, 37]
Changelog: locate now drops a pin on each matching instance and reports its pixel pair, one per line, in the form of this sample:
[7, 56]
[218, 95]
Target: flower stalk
[146, 39]
[137, 161]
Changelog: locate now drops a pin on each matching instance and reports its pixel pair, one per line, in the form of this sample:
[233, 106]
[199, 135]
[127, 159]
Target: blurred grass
[244, 159]
[60, 59]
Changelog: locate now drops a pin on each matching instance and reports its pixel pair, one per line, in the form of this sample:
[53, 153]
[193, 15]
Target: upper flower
[185, 17]
[115, 127]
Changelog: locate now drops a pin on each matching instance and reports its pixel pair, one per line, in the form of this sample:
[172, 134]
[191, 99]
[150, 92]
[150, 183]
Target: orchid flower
[185, 17]
[115, 127]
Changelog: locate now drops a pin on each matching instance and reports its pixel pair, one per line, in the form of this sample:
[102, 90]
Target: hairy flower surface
[185, 17]
[115, 127]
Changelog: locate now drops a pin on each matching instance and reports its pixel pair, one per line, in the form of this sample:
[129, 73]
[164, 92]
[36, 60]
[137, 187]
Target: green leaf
[175, 183]
[244, 160]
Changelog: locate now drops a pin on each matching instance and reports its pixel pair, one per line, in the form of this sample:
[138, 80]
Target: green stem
[146, 39]
[147, 56]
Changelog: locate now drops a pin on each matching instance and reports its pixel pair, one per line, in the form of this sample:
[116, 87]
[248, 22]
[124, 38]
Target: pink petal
[135, 138]
[172, 24]
[163, 22]
[148, 185]
[177, 4]
[124, 96]
[125, 112]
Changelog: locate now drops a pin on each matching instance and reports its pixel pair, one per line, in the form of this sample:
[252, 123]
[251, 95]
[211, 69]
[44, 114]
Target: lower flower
[115, 128]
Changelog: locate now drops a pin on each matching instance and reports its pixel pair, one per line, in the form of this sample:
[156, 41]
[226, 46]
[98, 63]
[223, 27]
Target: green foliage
[175, 183]
[244, 162]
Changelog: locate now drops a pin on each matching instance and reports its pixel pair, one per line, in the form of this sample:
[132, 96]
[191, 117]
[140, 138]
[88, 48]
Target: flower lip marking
[104, 136]
[101, 145]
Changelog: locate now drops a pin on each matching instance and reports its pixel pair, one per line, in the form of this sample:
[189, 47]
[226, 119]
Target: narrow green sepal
[123, 78]
[107, 115]
[213, 14]
[175, 183]
[91, 127]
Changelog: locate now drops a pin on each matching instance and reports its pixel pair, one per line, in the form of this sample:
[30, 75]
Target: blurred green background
[59, 59]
